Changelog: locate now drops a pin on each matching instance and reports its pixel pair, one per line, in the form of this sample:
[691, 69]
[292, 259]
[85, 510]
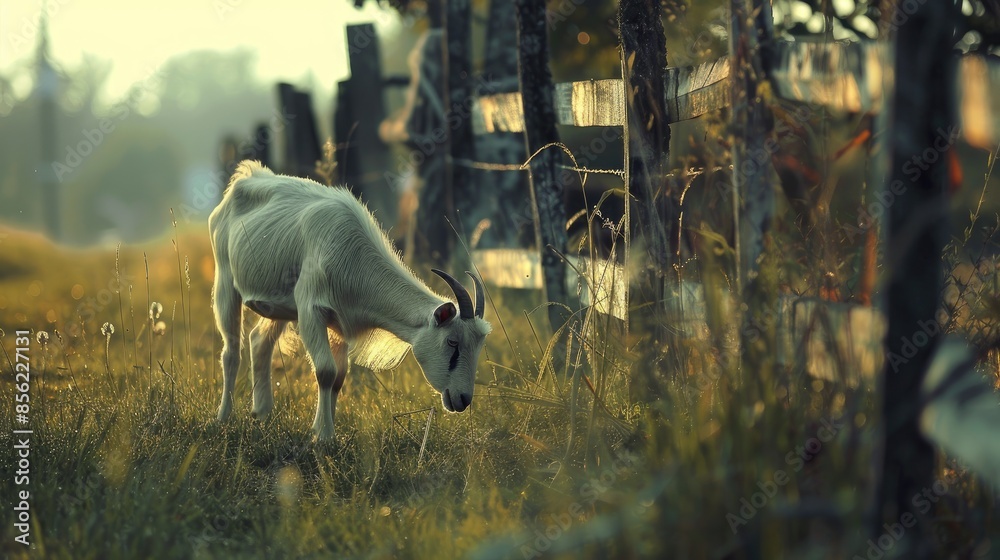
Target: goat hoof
[260, 414]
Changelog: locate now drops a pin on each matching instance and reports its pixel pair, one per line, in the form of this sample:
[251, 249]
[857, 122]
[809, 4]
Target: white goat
[291, 249]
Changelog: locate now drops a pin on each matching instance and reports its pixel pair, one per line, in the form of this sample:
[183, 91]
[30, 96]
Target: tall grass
[598, 459]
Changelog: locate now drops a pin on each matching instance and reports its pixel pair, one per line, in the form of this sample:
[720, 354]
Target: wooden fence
[845, 77]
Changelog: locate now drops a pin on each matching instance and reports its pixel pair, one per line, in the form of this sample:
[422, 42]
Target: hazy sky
[291, 37]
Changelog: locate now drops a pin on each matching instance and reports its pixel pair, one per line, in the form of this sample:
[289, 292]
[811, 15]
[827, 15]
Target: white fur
[298, 250]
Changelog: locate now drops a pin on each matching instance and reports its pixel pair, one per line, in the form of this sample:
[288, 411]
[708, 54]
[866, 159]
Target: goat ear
[444, 313]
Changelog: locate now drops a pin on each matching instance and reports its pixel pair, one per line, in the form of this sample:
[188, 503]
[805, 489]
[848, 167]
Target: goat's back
[257, 194]
[268, 225]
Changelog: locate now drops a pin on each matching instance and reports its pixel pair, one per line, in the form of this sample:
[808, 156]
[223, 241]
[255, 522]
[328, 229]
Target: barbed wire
[689, 173]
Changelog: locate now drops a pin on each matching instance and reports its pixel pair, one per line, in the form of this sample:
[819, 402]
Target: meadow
[610, 457]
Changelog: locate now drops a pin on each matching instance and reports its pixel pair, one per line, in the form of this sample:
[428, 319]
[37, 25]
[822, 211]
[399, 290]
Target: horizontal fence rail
[841, 76]
[692, 91]
[979, 91]
[600, 283]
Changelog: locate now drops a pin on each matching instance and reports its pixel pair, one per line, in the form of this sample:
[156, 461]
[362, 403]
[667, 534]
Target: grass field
[613, 460]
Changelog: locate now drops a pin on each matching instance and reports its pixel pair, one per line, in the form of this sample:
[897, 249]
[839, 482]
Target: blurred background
[132, 102]
[111, 113]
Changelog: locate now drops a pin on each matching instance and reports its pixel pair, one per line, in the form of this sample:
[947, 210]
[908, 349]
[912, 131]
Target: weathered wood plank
[501, 112]
[979, 84]
[591, 103]
[840, 76]
[834, 341]
[588, 103]
[601, 283]
[692, 91]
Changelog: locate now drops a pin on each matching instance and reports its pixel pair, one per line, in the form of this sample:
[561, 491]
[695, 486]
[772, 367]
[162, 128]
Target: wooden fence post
[362, 157]
[540, 130]
[505, 201]
[751, 118]
[647, 133]
[301, 138]
[923, 119]
[461, 195]
[260, 148]
[753, 192]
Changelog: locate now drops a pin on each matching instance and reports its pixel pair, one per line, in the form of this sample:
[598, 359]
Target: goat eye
[453, 343]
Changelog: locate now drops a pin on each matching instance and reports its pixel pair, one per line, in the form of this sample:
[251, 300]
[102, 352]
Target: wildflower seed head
[107, 329]
[160, 328]
[288, 485]
[155, 309]
[42, 337]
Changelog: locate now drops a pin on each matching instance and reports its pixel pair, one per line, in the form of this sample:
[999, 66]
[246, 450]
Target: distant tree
[83, 85]
[206, 95]
[126, 191]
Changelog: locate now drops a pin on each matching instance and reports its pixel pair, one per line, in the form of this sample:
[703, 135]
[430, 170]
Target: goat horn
[480, 295]
[465, 309]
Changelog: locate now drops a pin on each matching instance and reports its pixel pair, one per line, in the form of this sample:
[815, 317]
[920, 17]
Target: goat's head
[448, 348]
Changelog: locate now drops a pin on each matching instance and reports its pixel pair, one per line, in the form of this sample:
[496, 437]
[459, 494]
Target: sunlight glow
[291, 40]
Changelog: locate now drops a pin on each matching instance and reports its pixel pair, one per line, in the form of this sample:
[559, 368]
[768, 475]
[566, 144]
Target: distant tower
[46, 87]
